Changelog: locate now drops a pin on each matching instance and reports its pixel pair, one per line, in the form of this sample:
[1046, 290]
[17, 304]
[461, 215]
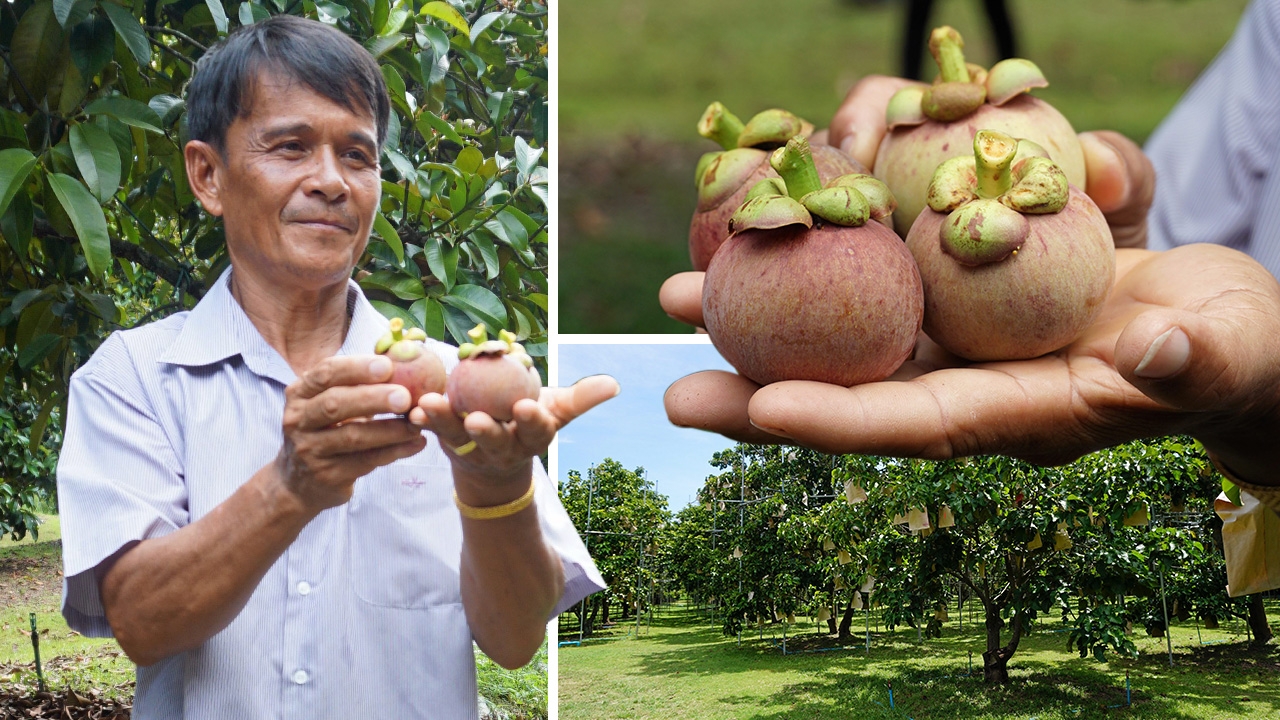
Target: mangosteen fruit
[1016, 262]
[724, 177]
[806, 288]
[492, 376]
[931, 124]
[414, 366]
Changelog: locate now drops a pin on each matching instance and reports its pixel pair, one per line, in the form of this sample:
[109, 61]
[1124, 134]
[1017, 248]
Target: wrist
[489, 489]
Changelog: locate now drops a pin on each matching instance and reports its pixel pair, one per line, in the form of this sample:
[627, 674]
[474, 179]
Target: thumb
[1185, 360]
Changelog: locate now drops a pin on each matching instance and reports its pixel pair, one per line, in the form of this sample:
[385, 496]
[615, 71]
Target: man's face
[297, 186]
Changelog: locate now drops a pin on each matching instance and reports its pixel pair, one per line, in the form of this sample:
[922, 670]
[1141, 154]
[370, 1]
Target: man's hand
[1188, 342]
[499, 468]
[329, 438]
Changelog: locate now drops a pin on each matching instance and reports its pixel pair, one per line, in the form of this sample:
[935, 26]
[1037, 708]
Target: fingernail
[1167, 355]
[771, 431]
[398, 398]
[846, 145]
[379, 366]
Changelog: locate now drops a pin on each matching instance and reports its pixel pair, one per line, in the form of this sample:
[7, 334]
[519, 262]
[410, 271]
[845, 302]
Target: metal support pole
[35, 645]
[1168, 631]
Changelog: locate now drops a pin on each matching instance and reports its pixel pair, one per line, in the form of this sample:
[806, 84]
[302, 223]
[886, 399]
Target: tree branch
[177, 34]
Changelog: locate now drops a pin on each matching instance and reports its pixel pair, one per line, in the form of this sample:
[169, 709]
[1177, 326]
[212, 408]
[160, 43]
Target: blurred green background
[634, 75]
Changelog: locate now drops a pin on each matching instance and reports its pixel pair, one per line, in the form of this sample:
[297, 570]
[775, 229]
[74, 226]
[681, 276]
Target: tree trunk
[846, 622]
[994, 662]
[831, 625]
[1258, 621]
[591, 619]
[605, 619]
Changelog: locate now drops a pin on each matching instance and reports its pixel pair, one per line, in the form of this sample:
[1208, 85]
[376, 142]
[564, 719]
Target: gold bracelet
[496, 511]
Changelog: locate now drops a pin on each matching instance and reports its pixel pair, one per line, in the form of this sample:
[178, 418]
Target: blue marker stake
[890, 696]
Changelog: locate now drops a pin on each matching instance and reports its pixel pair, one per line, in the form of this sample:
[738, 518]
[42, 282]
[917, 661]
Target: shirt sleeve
[1215, 153]
[581, 577]
[119, 480]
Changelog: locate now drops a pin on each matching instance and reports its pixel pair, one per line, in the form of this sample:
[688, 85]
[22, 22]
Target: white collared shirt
[360, 617]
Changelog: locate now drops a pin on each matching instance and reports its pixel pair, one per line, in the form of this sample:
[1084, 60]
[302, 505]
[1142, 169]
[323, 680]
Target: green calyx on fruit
[721, 173]
[961, 87]
[390, 343]
[797, 196]
[988, 194]
[505, 345]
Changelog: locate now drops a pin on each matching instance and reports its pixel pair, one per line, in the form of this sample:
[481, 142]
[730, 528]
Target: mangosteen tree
[101, 231]
[626, 518]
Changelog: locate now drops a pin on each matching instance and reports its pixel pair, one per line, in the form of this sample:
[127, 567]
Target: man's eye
[291, 146]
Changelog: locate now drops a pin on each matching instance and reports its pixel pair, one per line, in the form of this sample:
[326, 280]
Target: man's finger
[1121, 180]
[340, 370]
[535, 425]
[343, 402]
[566, 404]
[717, 401]
[681, 297]
[859, 124]
[438, 417]
[361, 437]
[1027, 409]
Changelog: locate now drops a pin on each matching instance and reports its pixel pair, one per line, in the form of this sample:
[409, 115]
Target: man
[248, 506]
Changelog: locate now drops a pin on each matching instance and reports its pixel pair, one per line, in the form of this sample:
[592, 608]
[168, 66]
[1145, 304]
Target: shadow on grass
[929, 680]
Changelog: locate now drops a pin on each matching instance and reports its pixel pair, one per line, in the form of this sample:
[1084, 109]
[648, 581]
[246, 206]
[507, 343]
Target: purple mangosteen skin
[1034, 302]
[834, 304]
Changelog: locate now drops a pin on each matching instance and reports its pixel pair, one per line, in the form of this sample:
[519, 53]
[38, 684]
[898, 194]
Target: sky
[632, 428]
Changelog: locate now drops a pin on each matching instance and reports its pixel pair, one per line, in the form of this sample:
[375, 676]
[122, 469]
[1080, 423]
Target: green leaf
[250, 13]
[443, 262]
[526, 157]
[457, 323]
[36, 434]
[219, 15]
[383, 44]
[490, 255]
[469, 160]
[437, 39]
[430, 316]
[1233, 492]
[509, 230]
[401, 164]
[395, 83]
[483, 23]
[395, 282]
[72, 12]
[37, 350]
[98, 160]
[332, 9]
[93, 42]
[538, 299]
[131, 32]
[18, 223]
[479, 303]
[433, 122]
[166, 107]
[86, 215]
[388, 233]
[444, 11]
[128, 111]
[34, 51]
[389, 311]
[396, 18]
[15, 166]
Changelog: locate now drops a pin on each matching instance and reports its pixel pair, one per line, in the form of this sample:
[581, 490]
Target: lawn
[636, 74]
[31, 581]
[681, 666]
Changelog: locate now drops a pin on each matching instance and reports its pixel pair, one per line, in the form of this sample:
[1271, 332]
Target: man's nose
[326, 178]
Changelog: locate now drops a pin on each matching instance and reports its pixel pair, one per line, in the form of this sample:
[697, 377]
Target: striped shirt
[1217, 152]
[360, 617]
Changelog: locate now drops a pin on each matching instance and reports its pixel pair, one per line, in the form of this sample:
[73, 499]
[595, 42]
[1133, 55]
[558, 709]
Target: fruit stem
[720, 125]
[477, 334]
[397, 326]
[794, 162]
[947, 48]
[994, 152]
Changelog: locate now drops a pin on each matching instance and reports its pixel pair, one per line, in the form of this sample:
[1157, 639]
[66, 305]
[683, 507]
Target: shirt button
[300, 677]
[304, 588]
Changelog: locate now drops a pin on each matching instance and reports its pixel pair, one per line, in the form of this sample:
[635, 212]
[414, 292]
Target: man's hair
[310, 52]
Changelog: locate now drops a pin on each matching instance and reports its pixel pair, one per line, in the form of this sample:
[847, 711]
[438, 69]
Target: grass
[31, 581]
[636, 74]
[683, 667]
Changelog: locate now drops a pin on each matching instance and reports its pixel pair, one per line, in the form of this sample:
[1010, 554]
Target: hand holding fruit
[1187, 342]
[495, 418]
[329, 440]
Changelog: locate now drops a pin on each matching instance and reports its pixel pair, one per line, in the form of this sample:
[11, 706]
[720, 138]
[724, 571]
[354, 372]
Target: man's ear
[204, 174]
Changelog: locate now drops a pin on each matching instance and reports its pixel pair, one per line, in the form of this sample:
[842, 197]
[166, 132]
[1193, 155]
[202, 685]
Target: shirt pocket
[405, 535]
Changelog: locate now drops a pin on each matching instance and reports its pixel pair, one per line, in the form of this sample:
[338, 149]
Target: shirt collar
[217, 328]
